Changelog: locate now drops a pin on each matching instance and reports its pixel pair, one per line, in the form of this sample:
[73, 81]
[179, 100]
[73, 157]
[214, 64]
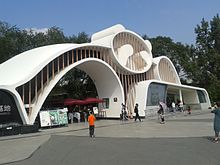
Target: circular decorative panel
[132, 52]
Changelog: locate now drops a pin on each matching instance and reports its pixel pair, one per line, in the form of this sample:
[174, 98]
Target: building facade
[119, 62]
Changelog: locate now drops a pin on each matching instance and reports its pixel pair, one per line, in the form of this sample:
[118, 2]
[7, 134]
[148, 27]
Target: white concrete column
[181, 100]
[180, 95]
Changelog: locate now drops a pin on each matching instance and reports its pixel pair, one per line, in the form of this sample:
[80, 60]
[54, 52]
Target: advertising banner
[63, 120]
[45, 119]
[54, 117]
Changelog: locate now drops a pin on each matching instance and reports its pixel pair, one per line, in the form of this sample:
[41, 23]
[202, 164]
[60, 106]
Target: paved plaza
[182, 140]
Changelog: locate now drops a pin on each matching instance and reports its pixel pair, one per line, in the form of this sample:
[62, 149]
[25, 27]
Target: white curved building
[119, 62]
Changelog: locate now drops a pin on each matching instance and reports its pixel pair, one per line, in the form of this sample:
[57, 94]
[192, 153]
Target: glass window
[201, 96]
[156, 93]
[106, 103]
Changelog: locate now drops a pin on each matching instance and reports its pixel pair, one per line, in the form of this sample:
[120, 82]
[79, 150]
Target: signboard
[8, 109]
[63, 119]
[53, 117]
[95, 110]
[5, 109]
[45, 119]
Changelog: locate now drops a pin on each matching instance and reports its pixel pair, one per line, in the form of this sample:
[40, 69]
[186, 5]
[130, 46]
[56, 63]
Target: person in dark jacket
[137, 113]
[216, 111]
[161, 114]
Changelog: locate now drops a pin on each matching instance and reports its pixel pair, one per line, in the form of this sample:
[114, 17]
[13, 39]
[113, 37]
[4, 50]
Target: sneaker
[215, 141]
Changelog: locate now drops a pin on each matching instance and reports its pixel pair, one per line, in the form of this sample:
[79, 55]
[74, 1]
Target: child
[91, 120]
[189, 110]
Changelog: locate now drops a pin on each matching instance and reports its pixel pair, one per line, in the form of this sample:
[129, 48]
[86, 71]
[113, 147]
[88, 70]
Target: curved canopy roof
[17, 69]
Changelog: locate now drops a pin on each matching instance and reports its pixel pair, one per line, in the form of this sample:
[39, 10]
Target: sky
[171, 18]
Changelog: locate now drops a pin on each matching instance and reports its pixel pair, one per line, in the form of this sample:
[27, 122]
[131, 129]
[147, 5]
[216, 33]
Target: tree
[176, 52]
[82, 37]
[14, 41]
[205, 68]
[78, 84]
[200, 62]
[55, 36]
[10, 41]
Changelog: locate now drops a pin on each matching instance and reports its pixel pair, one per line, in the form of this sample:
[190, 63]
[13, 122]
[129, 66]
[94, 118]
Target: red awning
[93, 100]
[70, 101]
[90, 100]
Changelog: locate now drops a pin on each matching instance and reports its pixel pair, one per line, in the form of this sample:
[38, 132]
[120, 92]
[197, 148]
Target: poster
[95, 110]
[45, 119]
[62, 114]
[54, 117]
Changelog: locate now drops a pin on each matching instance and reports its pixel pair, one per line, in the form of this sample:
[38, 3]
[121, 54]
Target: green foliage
[11, 40]
[207, 51]
[176, 52]
[78, 85]
[199, 63]
[81, 38]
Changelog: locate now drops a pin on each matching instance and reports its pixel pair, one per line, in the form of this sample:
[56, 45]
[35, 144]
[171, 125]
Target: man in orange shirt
[91, 120]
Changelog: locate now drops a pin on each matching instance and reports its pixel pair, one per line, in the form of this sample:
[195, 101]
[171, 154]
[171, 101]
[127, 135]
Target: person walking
[91, 120]
[216, 111]
[173, 106]
[123, 112]
[137, 113]
[161, 114]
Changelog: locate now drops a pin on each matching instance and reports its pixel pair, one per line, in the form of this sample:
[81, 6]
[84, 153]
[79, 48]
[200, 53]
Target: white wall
[190, 97]
[107, 84]
[141, 97]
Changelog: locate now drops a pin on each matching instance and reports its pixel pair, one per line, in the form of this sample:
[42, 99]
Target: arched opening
[75, 84]
[107, 84]
[105, 80]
